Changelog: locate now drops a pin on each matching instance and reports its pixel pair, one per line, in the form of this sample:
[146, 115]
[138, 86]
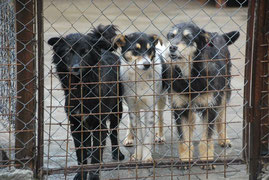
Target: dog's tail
[101, 37]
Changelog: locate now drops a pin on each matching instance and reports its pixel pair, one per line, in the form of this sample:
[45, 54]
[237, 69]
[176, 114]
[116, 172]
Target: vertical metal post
[256, 53]
[26, 84]
[40, 135]
[247, 111]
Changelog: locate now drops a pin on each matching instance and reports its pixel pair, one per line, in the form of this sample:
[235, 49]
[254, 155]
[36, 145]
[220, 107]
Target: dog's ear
[155, 39]
[206, 38]
[119, 40]
[231, 37]
[53, 41]
[108, 32]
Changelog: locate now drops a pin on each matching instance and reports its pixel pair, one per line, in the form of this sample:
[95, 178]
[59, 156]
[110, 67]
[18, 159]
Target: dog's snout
[173, 48]
[146, 66]
[76, 69]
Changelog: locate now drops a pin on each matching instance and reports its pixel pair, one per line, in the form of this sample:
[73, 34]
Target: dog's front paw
[208, 167]
[133, 158]
[186, 161]
[185, 167]
[148, 159]
[81, 176]
[128, 141]
[159, 138]
[225, 143]
[136, 157]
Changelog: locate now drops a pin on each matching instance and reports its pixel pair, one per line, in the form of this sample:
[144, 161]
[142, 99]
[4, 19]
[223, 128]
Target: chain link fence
[40, 117]
[8, 79]
[152, 17]
[265, 98]
[17, 89]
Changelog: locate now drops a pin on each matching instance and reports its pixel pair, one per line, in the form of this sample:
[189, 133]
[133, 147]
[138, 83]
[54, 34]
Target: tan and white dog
[141, 75]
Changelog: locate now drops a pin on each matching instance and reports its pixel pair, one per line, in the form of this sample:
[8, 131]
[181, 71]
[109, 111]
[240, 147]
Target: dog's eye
[84, 51]
[152, 57]
[66, 50]
[189, 37]
[135, 52]
[136, 49]
[172, 35]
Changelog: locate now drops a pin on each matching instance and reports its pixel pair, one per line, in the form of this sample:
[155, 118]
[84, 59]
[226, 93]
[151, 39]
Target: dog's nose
[146, 66]
[75, 69]
[173, 48]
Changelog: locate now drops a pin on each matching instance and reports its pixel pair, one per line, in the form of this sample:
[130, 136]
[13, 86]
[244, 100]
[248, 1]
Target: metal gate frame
[256, 71]
[254, 74]
[40, 137]
[25, 123]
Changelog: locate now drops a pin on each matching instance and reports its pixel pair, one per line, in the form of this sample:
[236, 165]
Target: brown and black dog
[201, 69]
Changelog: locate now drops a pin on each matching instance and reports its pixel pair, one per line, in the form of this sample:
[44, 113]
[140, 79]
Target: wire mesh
[17, 90]
[151, 17]
[7, 83]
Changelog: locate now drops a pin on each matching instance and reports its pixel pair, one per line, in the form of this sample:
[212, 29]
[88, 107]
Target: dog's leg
[139, 136]
[81, 140]
[148, 138]
[221, 129]
[99, 141]
[129, 140]
[159, 137]
[206, 145]
[185, 125]
[115, 118]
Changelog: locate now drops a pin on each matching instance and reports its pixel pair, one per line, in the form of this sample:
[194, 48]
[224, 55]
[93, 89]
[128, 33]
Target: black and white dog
[79, 59]
[201, 69]
[141, 73]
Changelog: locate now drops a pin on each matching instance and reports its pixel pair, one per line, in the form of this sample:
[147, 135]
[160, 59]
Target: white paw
[148, 159]
[128, 141]
[135, 157]
[225, 143]
[159, 139]
[147, 156]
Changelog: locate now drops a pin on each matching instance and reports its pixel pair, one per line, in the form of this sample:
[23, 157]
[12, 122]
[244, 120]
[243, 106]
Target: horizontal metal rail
[141, 165]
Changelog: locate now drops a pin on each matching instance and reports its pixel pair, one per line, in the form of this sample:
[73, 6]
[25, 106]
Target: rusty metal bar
[181, 93]
[7, 97]
[25, 120]
[247, 110]
[67, 124]
[134, 65]
[9, 64]
[170, 142]
[168, 79]
[18, 131]
[257, 55]
[40, 145]
[139, 165]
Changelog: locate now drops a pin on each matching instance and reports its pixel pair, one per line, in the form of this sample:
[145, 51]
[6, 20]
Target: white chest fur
[141, 87]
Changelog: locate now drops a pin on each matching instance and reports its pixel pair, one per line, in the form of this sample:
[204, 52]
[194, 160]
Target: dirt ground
[64, 17]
